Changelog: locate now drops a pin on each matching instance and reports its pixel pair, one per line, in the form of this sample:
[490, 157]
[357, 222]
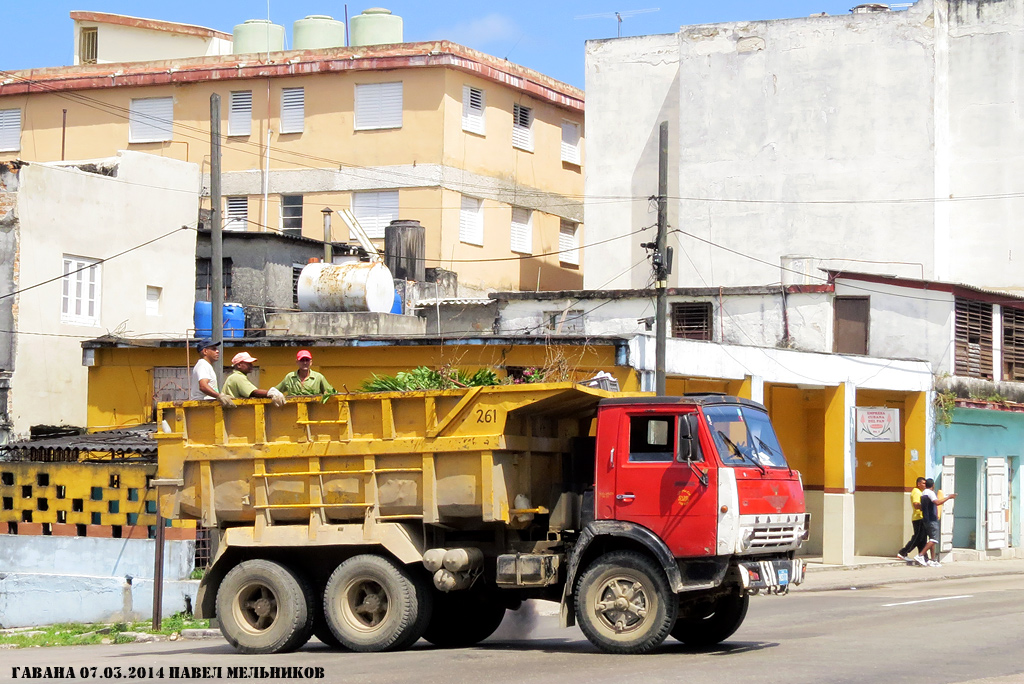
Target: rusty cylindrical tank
[352, 286]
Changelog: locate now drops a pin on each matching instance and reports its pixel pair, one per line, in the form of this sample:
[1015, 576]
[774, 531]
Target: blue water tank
[396, 306]
[234, 320]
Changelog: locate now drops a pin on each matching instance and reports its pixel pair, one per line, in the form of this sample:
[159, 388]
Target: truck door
[659, 468]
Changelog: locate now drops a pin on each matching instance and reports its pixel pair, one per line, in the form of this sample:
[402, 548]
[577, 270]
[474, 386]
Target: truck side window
[651, 439]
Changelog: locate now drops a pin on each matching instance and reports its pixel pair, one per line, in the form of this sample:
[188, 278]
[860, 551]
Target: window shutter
[240, 113]
[378, 105]
[236, 217]
[473, 106]
[973, 338]
[1013, 344]
[692, 320]
[522, 230]
[293, 110]
[10, 130]
[471, 223]
[571, 142]
[375, 210]
[522, 127]
[568, 244]
[150, 119]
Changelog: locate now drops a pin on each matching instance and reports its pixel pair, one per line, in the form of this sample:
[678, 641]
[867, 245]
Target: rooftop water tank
[318, 31]
[353, 286]
[257, 35]
[376, 26]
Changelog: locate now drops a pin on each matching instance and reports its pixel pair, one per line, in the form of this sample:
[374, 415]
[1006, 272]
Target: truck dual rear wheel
[373, 604]
[464, 618]
[624, 603]
[712, 622]
[264, 607]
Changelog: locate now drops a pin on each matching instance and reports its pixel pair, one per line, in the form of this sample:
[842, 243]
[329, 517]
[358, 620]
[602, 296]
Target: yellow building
[486, 154]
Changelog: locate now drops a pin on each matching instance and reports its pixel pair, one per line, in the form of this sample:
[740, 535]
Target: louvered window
[473, 105]
[293, 110]
[522, 127]
[236, 213]
[150, 119]
[973, 339]
[522, 230]
[10, 130]
[569, 243]
[375, 210]
[240, 113]
[378, 105]
[571, 142]
[1013, 344]
[692, 320]
[88, 45]
[471, 221]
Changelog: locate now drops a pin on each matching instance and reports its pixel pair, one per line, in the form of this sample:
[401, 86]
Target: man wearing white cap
[239, 386]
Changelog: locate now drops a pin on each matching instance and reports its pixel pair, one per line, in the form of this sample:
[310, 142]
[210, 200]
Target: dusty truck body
[371, 520]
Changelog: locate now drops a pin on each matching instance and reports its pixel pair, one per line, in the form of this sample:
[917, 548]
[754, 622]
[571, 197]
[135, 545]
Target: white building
[101, 38]
[105, 247]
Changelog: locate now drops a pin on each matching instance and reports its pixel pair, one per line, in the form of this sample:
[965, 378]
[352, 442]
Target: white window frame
[375, 210]
[293, 110]
[569, 243]
[236, 213]
[471, 221]
[378, 106]
[284, 217]
[473, 119]
[571, 142]
[153, 296]
[522, 133]
[240, 113]
[10, 130]
[151, 119]
[80, 291]
[521, 233]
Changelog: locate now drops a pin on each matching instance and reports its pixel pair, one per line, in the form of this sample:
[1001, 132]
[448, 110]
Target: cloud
[492, 30]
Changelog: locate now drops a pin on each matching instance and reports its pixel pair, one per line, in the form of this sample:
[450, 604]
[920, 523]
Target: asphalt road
[946, 631]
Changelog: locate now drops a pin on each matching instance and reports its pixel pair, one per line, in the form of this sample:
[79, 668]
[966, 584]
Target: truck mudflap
[773, 576]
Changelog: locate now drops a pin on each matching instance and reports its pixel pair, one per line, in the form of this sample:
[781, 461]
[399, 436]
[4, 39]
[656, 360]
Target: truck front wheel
[264, 607]
[712, 622]
[373, 604]
[624, 604]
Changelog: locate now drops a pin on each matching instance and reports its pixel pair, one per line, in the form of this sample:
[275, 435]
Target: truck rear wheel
[373, 604]
[624, 604]
[464, 618]
[264, 607]
[712, 622]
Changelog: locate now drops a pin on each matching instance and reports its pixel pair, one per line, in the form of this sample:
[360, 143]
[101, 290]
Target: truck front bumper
[771, 575]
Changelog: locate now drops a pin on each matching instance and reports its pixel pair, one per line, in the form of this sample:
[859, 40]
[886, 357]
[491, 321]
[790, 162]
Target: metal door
[946, 511]
[997, 502]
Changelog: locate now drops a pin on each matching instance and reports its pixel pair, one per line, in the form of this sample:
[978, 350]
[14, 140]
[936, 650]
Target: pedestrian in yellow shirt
[919, 537]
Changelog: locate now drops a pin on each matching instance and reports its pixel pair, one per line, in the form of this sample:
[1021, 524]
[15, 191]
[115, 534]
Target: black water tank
[405, 250]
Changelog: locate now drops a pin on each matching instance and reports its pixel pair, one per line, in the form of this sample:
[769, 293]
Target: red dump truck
[374, 520]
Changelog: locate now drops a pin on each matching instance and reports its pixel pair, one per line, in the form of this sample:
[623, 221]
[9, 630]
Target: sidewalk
[873, 571]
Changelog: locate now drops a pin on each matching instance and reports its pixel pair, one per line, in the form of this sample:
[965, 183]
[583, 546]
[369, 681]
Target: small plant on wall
[945, 404]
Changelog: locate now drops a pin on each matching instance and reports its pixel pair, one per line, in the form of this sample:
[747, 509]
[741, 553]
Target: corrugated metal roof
[136, 443]
[922, 284]
[456, 301]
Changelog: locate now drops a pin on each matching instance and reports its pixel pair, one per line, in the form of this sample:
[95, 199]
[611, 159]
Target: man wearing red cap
[239, 386]
[305, 381]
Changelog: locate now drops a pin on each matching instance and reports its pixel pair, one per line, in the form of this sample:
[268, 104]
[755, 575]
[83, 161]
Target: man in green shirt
[239, 386]
[305, 381]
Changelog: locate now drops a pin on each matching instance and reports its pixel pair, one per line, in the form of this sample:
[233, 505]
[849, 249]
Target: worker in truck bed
[239, 386]
[204, 379]
[305, 381]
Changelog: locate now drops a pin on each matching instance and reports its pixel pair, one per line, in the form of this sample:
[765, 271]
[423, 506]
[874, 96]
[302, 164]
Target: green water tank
[376, 26]
[257, 35]
[318, 31]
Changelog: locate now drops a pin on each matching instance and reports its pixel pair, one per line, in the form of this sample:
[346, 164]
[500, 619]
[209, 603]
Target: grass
[73, 634]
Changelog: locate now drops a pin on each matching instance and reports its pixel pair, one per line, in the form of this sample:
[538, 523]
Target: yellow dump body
[435, 456]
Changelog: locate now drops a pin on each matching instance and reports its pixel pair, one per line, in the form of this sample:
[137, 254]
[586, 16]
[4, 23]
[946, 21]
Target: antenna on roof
[618, 16]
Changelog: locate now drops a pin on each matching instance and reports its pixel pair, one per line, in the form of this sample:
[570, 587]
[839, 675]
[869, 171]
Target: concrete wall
[93, 557]
[64, 210]
[117, 43]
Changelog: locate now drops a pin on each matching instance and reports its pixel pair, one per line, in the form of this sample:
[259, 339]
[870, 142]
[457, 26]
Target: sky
[547, 36]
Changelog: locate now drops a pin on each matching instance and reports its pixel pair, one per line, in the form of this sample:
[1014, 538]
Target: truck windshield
[744, 437]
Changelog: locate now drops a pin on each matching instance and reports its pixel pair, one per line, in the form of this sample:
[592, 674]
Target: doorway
[965, 484]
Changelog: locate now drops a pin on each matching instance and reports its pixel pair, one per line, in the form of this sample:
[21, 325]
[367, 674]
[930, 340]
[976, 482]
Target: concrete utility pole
[216, 236]
[662, 261]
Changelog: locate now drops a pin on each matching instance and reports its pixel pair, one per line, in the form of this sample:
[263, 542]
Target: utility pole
[662, 262]
[216, 236]
[328, 236]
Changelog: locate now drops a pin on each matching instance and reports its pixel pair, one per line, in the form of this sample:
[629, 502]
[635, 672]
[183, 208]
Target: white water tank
[257, 35]
[352, 286]
[318, 31]
[376, 26]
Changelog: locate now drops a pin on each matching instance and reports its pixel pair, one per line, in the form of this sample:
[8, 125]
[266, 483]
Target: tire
[464, 618]
[712, 622]
[264, 607]
[624, 604]
[372, 604]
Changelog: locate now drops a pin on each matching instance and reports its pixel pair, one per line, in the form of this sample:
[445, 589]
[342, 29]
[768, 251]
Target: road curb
[931, 577]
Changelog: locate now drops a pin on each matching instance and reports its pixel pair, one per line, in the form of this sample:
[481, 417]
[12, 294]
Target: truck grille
[775, 536]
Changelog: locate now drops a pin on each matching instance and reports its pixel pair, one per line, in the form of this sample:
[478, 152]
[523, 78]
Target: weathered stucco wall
[93, 556]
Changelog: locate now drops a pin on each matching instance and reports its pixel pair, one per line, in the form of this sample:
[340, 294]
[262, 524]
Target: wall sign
[878, 425]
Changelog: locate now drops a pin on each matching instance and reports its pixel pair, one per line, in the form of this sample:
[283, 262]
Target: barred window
[692, 320]
[973, 339]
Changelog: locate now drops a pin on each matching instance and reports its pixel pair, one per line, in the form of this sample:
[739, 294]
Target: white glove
[225, 401]
[275, 396]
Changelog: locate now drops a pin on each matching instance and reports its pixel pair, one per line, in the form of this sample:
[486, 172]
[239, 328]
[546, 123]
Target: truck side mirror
[684, 451]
